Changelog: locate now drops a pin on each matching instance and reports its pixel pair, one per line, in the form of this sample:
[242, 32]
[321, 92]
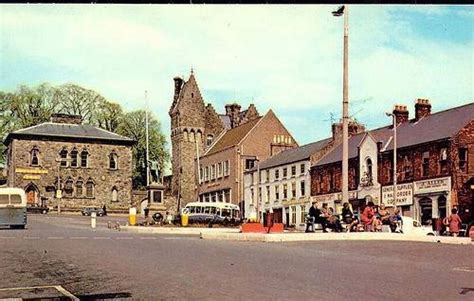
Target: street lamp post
[394, 157]
[258, 190]
[344, 10]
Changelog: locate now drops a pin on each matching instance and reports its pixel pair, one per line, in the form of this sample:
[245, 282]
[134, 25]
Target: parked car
[37, 209]
[411, 226]
[86, 211]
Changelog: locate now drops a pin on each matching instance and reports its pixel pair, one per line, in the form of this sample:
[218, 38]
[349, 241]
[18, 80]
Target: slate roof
[437, 126]
[66, 130]
[225, 120]
[296, 154]
[233, 136]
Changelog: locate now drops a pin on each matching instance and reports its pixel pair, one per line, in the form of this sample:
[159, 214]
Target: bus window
[198, 209]
[207, 209]
[15, 199]
[191, 209]
[225, 212]
[213, 210]
[4, 199]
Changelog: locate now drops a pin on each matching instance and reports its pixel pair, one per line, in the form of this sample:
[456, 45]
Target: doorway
[32, 194]
[426, 210]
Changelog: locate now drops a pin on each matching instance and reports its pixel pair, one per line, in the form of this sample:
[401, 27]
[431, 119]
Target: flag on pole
[339, 12]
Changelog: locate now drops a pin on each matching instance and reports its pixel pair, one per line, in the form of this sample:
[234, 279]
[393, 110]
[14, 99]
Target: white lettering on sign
[404, 195]
[333, 197]
[433, 185]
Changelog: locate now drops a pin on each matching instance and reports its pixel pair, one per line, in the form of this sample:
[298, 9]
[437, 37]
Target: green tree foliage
[133, 126]
[28, 106]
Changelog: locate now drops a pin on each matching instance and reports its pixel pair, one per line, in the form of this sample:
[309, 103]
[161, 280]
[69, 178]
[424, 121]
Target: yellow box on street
[184, 220]
[132, 216]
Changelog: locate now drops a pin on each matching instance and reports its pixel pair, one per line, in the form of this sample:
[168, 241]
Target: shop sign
[404, 195]
[432, 185]
[31, 171]
[31, 177]
[325, 198]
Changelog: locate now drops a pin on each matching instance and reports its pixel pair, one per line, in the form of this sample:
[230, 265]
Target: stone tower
[193, 128]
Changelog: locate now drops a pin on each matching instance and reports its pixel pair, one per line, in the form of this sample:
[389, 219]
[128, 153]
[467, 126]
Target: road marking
[31, 237]
[78, 237]
[6, 237]
[147, 237]
[55, 237]
[101, 237]
[173, 238]
[464, 269]
[126, 237]
[57, 287]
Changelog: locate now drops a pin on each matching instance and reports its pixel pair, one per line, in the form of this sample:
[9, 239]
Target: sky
[280, 57]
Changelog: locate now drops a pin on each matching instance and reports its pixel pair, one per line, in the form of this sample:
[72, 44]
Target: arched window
[209, 140]
[90, 188]
[84, 157]
[34, 156]
[185, 135]
[191, 136]
[198, 136]
[63, 156]
[114, 194]
[68, 188]
[369, 170]
[79, 188]
[113, 160]
[74, 154]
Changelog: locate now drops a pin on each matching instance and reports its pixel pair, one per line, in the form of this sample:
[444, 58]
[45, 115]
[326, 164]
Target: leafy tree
[133, 126]
[108, 116]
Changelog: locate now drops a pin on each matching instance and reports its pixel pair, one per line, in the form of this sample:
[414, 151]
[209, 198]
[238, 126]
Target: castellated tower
[193, 127]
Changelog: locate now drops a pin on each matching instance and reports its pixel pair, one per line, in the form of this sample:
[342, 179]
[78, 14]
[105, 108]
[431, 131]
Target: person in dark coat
[314, 214]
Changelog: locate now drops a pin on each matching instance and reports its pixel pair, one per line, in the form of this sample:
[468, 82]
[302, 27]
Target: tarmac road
[63, 250]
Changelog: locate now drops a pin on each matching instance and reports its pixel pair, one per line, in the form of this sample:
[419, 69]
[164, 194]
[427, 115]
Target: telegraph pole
[146, 134]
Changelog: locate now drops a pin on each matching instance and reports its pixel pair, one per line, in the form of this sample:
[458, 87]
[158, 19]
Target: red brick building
[435, 164]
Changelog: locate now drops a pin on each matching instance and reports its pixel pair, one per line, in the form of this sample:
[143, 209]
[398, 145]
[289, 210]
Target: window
[268, 194]
[369, 171]
[201, 175]
[251, 196]
[115, 195]
[302, 213]
[259, 195]
[426, 164]
[293, 171]
[293, 215]
[213, 172]
[226, 168]
[267, 175]
[113, 161]
[293, 189]
[63, 156]
[249, 163]
[34, 157]
[84, 156]
[90, 189]
[79, 188]
[219, 170]
[462, 153]
[285, 191]
[74, 158]
[443, 160]
[209, 139]
[227, 195]
[68, 188]
[277, 174]
[277, 192]
[206, 173]
[331, 182]
[407, 169]
[302, 188]
[302, 169]
[285, 173]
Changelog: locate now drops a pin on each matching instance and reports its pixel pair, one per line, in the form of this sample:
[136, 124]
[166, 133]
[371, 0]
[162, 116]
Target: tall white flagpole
[146, 134]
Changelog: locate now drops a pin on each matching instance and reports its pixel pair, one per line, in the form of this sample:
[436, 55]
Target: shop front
[432, 199]
[404, 198]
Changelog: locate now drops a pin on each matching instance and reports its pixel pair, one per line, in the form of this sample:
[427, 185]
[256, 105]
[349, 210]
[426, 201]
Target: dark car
[86, 211]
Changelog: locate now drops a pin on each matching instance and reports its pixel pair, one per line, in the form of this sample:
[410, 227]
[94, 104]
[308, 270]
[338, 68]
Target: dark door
[278, 215]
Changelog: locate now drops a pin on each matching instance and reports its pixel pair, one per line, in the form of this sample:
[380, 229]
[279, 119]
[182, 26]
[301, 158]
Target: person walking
[454, 222]
[313, 214]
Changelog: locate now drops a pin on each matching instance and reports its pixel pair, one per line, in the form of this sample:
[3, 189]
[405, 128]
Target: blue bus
[13, 208]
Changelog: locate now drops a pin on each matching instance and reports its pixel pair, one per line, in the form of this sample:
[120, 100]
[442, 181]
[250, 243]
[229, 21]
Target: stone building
[435, 166]
[194, 127]
[90, 166]
[222, 166]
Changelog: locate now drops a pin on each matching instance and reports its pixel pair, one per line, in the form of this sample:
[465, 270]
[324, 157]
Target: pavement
[234, 234]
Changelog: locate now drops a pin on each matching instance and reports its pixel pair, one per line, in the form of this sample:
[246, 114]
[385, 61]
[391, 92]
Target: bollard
[132, 217]
[93, 220]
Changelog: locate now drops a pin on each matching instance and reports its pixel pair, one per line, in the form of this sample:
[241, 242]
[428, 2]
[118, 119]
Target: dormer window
[209, 140]
[63, 156]
[34, 156]
[113, 161]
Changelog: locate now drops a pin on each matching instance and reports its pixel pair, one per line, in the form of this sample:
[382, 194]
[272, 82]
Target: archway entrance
[32, 194]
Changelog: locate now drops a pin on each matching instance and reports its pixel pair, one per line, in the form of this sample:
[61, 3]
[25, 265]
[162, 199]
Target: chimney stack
[422, 108]
[353, 128]
[178, 84]
[233, 111]
[401, 114]
[66, 118]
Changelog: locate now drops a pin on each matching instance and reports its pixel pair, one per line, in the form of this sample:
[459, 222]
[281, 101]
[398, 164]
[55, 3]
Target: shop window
[34, 156]
[426, 164]
[74, 154]
[443, 160]
[79, 188]
[84, 158]
[90, 189]
[462, 153]
[63, 157]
